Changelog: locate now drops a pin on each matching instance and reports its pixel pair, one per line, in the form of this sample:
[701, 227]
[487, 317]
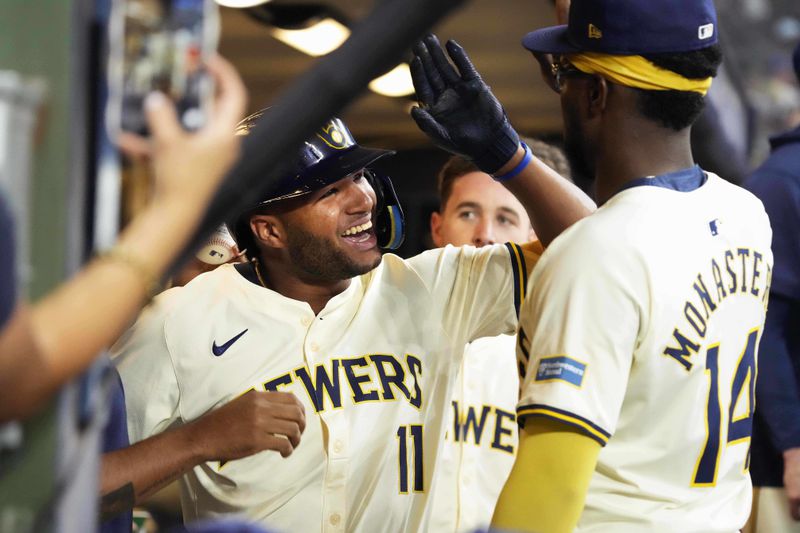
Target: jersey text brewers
[374, 370]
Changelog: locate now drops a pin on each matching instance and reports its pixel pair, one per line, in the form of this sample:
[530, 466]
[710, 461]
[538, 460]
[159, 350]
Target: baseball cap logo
[333, 136]
[706, 31]
[594, 32]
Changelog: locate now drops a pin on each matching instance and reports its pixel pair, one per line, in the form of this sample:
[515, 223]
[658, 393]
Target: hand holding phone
[188, 166]
[160, 45]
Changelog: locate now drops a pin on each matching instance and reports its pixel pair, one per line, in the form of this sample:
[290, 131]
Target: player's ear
[597, 95]
[269, 230]
[436, 229]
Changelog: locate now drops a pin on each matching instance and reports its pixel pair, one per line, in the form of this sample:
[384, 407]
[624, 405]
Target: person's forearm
[86, 314]
[131, 475]
[553, 203]
[64, 332]
[252, 423]
[54, 340]
[23, 378]
[547, 486]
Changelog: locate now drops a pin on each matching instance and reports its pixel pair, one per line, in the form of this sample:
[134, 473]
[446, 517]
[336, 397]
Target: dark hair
[454, 168]
[679, 109]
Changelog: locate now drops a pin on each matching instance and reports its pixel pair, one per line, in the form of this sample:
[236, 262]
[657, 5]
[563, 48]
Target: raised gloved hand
[459, 112]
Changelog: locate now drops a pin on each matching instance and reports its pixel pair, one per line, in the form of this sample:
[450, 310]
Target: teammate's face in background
[330, 237]
[479, 212]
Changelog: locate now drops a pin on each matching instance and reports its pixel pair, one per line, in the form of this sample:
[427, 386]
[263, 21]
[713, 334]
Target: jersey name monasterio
[642, 330]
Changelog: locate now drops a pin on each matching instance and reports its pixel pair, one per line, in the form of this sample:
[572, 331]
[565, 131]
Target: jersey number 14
[739, 429]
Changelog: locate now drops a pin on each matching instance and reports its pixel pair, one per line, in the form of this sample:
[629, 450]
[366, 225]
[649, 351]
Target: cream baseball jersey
[481, 440]
[642, 330]
[374, 370]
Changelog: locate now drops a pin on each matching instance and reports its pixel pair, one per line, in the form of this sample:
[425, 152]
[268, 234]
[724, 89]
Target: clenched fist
[251, 423]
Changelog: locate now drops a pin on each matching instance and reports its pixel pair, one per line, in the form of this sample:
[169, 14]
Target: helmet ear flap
[389, 218]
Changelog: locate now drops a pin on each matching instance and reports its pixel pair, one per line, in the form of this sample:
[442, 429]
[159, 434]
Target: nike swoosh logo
[222, 348]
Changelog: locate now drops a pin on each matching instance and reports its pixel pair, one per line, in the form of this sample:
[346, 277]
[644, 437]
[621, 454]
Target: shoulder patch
[561, 367]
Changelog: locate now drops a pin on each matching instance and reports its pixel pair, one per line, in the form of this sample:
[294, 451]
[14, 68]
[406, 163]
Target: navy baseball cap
[629, 27]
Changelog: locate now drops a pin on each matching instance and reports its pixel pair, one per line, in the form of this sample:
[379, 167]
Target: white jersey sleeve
[578, 352]
[145, 367]
[480, 289]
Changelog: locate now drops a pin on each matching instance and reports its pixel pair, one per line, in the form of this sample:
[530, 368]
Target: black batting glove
[459, 112]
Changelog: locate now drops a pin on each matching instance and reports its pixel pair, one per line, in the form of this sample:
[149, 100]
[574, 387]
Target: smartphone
[160, 45]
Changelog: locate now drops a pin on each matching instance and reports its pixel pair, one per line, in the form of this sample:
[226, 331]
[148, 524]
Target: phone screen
[160, 45]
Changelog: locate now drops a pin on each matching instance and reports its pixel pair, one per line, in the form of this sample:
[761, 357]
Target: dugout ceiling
[490, 30]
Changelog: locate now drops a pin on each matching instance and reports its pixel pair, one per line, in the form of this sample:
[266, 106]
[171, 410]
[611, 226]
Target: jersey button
[314, 347]
[338, 446]
[305, 321]
[335, 518]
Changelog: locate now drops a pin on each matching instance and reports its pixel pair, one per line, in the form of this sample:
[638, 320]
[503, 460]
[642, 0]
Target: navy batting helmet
[326, 157]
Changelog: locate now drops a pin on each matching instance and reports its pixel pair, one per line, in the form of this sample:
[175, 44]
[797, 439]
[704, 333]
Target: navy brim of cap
[552, 40]
[331, 171]
[349, 161]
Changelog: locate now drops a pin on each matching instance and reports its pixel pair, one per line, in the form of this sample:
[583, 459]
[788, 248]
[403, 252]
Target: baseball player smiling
[369, 343]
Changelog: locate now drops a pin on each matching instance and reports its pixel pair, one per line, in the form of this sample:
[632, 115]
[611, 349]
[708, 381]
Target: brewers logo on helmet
[326, 157]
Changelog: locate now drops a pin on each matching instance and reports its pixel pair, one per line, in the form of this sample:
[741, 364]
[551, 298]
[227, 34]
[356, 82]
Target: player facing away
[369, 343]
[641, 331]
[482, 436]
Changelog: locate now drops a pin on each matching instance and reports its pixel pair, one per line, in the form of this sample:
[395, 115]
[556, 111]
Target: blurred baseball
[219, 248]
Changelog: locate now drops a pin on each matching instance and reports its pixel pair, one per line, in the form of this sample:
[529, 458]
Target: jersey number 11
[417, 478]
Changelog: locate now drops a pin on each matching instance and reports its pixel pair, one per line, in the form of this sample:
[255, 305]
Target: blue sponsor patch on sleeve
[561, 368]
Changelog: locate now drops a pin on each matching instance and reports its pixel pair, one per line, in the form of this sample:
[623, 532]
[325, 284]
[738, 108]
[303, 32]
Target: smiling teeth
[357, 229]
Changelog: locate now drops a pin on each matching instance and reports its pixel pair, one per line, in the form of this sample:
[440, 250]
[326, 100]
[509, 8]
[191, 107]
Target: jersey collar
[684, 180]
[247, 271]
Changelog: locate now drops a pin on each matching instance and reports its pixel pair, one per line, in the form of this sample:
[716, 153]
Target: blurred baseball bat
[376, 44]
